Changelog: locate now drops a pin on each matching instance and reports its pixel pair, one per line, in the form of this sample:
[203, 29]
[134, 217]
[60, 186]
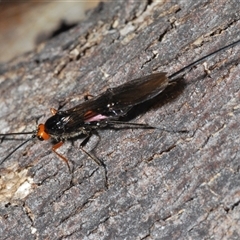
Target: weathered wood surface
[161, 185]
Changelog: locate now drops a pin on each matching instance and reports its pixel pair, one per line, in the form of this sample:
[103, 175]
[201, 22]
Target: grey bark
[162, 184]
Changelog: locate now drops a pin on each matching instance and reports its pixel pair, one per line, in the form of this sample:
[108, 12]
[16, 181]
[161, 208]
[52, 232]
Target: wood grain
[162, 185]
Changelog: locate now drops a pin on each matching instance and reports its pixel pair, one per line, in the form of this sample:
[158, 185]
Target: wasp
[103, 111]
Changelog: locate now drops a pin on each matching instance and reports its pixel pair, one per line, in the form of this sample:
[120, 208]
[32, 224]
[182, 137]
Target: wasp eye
[40, 138]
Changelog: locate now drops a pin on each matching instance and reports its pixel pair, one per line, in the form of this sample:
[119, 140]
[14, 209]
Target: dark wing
[138, 90]
[113, 103]
[117, 101]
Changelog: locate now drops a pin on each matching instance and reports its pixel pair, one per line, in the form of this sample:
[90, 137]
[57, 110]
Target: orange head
[41, 133]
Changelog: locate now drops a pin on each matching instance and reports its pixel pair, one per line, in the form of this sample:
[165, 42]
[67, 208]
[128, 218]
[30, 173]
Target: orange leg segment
[55, 147]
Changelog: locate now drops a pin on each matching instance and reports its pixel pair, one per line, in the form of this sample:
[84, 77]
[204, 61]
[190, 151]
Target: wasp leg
[86, 96]
[55, 147]
[97, 160]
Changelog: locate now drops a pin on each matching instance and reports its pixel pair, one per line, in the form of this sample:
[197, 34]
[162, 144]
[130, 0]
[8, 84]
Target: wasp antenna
[15, 149]
[11, 134]
[202, 59]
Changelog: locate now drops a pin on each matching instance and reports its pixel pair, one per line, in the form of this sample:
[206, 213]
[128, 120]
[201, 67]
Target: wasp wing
[112, 104]
[117, 101]
[137, 91]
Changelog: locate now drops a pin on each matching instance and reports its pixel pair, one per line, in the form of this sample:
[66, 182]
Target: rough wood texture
[162, 185]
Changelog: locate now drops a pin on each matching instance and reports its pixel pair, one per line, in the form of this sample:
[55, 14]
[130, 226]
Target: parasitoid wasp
[103, 111]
